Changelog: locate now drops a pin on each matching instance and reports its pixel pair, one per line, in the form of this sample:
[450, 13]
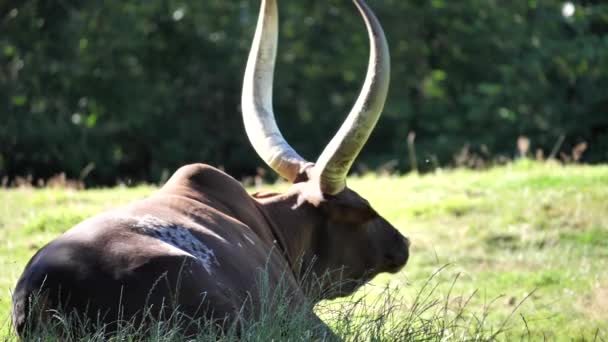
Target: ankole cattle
[199, 243]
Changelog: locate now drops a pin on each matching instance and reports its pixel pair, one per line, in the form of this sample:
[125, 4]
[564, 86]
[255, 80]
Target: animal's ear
[348, 209]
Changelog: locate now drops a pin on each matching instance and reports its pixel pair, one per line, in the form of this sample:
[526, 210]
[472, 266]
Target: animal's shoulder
[204, 183]
[202, 176]
[200, 173]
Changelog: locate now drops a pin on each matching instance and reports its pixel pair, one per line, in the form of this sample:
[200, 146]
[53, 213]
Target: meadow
[515, 252]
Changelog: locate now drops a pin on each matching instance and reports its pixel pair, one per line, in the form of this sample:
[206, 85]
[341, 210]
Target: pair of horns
[338, 156]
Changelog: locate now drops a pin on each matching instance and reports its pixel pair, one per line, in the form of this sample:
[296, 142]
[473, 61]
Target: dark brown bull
[204, 237]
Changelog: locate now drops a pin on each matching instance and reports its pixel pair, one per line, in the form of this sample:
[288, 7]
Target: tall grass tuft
[372, 314]
[430, 315]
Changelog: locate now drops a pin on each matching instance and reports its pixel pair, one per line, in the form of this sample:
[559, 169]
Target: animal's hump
[204, 179]
[212, 188]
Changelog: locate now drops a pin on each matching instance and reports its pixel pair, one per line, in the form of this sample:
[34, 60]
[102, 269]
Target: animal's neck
[294, 230]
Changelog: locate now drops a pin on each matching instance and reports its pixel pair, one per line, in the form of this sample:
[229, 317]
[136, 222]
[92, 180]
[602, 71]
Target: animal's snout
[397, 256]
[406, 241]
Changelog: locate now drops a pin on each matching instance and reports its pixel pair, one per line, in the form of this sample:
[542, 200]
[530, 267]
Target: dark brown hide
[200, 243]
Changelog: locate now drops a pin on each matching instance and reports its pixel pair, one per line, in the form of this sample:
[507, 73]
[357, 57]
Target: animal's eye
[352, 215]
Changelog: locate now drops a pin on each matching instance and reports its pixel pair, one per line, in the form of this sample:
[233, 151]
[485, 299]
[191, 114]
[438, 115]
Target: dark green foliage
[134, 89]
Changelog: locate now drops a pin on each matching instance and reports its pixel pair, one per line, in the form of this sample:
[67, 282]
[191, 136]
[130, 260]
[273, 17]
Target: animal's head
[349, 239]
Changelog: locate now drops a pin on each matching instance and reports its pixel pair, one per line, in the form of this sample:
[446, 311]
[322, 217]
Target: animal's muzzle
[397, 257]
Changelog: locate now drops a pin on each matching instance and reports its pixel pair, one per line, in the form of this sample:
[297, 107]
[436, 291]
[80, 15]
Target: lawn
[526, 233]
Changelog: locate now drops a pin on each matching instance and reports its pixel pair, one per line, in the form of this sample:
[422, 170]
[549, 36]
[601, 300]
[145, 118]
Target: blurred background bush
[116, 90]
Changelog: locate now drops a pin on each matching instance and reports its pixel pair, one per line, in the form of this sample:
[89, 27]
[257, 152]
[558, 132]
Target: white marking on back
[177, 236]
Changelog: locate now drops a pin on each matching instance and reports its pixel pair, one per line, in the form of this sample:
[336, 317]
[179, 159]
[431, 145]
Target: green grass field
[529, 231]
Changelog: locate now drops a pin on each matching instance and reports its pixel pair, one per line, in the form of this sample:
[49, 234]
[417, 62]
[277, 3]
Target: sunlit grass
[526, 230]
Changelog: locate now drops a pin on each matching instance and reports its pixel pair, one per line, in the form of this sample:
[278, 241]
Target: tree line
[115, 90]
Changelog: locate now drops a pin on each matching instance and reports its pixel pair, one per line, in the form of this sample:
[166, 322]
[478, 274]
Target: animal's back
[168, 250]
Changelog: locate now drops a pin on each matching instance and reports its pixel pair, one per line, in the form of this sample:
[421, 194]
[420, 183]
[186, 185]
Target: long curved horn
[256, 100]
[339, 155]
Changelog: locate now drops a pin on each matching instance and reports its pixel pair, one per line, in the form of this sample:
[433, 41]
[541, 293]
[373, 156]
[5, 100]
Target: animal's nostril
[403, 252]
[397, 255]
[389, 257]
